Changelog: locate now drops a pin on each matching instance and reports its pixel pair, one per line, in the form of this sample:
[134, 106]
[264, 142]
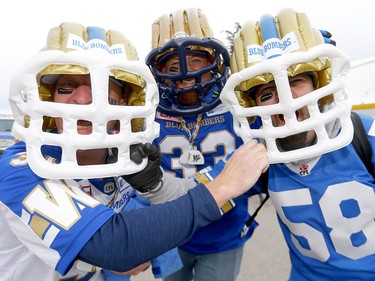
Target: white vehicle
[6, 138]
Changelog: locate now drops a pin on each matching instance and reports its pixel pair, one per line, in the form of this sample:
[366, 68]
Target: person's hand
[150, 177]
[240, 173]
[327, 37]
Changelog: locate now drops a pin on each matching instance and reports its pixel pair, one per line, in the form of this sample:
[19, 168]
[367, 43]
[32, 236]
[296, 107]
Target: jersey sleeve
[173, 187]
[53, 218]
[145, 233]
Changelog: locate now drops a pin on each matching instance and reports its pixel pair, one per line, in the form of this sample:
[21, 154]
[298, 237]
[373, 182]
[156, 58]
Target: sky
[25, 24]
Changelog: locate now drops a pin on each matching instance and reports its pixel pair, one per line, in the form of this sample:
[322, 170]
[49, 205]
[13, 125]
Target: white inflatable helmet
[180, 32]
[275, 49]
[74, 49]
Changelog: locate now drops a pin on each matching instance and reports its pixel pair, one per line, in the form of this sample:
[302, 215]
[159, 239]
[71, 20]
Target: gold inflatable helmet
[182, 32]
[274, 49]
[104, 55]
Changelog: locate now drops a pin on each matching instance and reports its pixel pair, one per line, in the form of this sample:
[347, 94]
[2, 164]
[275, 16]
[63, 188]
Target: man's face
[76, 89]
[267, 94]
[194, 62]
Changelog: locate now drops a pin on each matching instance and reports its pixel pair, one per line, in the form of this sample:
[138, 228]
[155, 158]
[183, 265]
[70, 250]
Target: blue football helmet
[196, 41]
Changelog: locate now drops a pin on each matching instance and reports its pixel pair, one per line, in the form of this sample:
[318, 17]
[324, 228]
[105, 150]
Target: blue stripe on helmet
[269, 29]
[94, 32]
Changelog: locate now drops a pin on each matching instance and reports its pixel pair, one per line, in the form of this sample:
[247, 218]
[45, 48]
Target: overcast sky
[25, 23]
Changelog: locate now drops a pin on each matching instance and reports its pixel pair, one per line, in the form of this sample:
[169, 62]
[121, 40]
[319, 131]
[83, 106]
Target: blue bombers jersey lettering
[215, 140]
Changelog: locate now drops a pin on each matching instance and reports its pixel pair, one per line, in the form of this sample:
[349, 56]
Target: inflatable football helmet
[180, 33]
[273, 50]
[105, 56]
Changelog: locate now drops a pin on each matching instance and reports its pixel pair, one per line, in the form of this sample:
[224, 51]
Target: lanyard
[193, 135]
[192, 156]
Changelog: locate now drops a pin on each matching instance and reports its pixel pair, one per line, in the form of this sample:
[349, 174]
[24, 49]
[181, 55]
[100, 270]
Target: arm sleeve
[173, 187]
[132, 238]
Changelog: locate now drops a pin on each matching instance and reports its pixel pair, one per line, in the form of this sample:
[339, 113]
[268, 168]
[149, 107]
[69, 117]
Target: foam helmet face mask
[73, 49]
[183, 32]
[275, 49]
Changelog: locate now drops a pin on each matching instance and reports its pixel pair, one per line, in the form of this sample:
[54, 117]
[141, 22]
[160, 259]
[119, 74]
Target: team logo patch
[109, 187]
[304, 170]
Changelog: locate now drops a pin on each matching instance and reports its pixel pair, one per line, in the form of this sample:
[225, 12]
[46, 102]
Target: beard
[294, 142]
[190, 98]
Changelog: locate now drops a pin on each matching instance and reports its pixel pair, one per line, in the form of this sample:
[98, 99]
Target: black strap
[264, 186]
[361, 143]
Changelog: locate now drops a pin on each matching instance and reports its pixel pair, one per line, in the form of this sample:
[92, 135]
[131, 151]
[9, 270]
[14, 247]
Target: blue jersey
[54, 219]
[326, 210]
[215, 139]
